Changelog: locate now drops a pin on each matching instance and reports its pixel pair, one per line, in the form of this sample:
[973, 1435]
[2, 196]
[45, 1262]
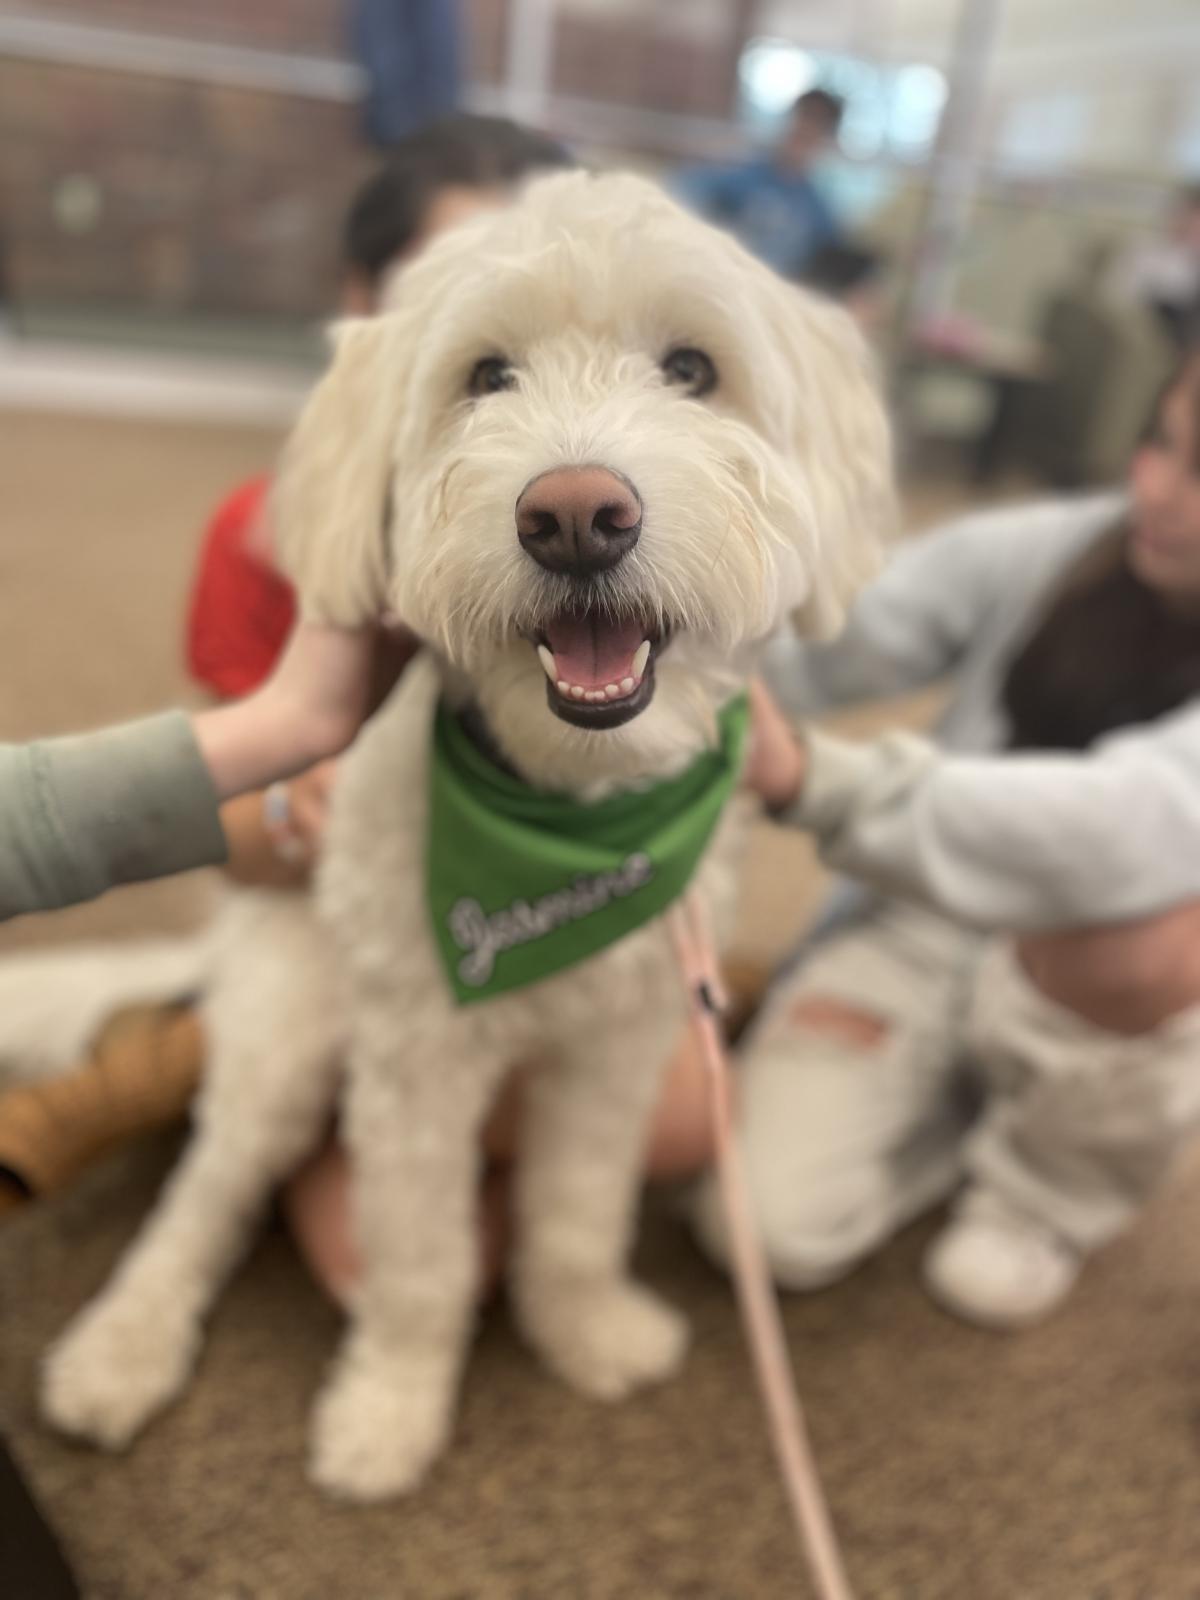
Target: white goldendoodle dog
[594, 454]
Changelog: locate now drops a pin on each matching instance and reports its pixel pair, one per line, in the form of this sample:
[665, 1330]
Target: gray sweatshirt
[998, 840]
[80, 815]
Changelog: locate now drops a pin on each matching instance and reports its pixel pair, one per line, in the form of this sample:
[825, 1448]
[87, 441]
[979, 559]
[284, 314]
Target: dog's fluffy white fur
[762, 500]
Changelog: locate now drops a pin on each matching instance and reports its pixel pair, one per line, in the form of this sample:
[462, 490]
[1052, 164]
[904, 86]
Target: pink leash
[755, 1292]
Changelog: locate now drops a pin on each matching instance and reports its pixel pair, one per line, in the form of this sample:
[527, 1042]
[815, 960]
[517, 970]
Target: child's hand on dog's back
[275, 838]
[775, 766]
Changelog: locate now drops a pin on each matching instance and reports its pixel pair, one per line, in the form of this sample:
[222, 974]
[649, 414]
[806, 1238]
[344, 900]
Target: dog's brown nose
[579, 520]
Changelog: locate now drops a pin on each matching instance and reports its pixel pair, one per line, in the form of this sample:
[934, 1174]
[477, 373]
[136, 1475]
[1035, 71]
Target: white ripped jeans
[971, 1075]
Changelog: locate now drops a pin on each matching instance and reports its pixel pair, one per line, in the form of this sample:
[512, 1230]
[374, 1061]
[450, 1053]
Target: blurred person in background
[1163, 274]
[410, 55]
[772, 203]
[1011, 1013]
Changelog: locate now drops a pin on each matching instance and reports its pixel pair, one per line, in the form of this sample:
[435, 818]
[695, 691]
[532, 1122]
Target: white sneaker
[997, 1268]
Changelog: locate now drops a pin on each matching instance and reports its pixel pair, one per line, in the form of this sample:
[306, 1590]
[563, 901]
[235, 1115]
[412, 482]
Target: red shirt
[240, 611]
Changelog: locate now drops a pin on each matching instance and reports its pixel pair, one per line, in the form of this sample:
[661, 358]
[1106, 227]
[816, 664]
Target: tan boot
[140, 1074]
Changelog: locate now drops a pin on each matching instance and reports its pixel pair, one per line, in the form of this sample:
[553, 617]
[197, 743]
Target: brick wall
[196, 197]
[640, 64]
[316, 26]
[127, 190]
[485, 38]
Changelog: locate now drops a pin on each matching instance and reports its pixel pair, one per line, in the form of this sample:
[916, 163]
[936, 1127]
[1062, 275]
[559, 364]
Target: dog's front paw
[115, 1367]
[377, 1429]
[605, 1339]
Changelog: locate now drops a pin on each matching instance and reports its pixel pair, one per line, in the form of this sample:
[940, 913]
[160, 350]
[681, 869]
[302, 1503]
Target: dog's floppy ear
[840, 435]
[330, 502]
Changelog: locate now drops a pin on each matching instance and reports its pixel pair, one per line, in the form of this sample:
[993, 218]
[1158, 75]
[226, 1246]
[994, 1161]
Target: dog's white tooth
[563, 686]
[576, 691]
[641, 657]
[626, 685]
[612, 691]
[595, 694]
[547, 660]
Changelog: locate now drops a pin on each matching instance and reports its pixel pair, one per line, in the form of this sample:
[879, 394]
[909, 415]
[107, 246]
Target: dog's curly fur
[764, 499]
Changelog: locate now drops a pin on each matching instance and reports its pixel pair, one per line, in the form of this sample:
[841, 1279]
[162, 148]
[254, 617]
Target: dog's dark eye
[490, 375]
[691, 368]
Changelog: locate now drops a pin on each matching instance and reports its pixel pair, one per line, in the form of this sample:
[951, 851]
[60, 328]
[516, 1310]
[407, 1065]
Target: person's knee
[1128, 977]
[824, 1227]
[827, 1020]
[817, 1218]
[814, 1229]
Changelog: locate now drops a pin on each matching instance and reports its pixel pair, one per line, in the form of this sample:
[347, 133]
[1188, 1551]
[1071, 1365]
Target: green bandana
[522, 884]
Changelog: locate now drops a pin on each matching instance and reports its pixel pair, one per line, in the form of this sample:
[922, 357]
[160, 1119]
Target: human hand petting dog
[295, 815]
[310, 709]
[308, 805]
[777, 763]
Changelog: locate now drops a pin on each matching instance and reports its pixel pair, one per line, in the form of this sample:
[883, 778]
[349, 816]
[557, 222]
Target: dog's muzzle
[579, 523]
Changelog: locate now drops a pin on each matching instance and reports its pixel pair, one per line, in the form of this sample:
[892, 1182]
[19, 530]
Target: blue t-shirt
[779, 216]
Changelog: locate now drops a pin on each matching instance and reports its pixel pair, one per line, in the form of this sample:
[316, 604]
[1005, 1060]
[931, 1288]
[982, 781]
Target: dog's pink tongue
[593, 651]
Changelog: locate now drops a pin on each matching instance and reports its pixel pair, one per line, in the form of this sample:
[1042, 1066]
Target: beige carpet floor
[1061, 1465]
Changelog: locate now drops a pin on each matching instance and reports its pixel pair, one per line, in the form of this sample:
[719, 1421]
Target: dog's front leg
[274, 1026]
[578, 1180]
[416, 1098]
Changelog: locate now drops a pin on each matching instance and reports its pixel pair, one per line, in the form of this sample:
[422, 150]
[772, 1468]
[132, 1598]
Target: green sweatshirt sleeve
[82, 814]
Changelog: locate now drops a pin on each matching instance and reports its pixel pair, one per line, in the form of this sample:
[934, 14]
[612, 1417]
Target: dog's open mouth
[600, 670]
